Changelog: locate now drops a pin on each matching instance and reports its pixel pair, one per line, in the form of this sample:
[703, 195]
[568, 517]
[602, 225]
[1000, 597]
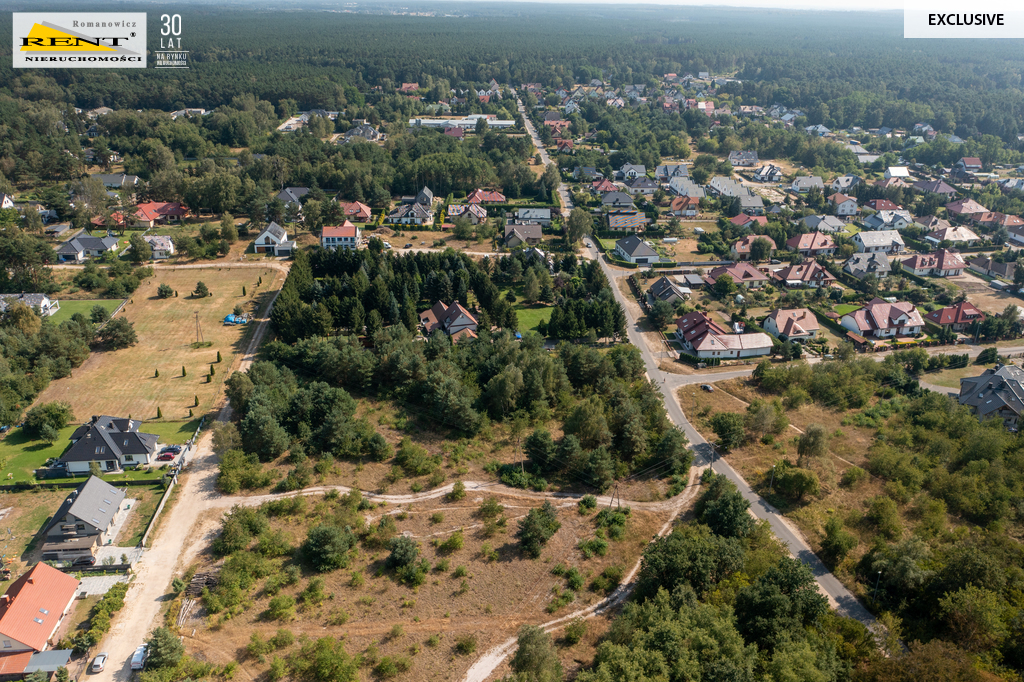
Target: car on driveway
[166, 457]
[139, 657]
[98, 663]
[707, 387]
[408, 246]
[84, 561]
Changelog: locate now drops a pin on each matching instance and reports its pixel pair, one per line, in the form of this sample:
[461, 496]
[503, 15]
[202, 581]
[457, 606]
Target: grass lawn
[124, 382]
[171, 432]
[69, 308]
[19, 455]
[950, 378]
[532, 315]
[844, 308]
[608, 244]
[148, 497]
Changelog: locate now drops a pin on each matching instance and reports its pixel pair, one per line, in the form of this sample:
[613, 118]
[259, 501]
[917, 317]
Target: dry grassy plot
[483, 590]
[123, 382]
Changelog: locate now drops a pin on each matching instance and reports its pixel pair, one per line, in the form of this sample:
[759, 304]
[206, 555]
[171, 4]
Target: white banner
[978, 19]
[79, 40]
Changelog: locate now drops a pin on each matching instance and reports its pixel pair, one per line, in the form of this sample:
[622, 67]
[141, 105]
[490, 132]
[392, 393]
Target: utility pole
[199, 330]
[877, 580]
[771, 486]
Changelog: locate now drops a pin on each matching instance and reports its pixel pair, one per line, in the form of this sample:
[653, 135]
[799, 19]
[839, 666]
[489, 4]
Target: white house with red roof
[153, 213]
[356, 211]
[971, 163]
[474, 212]
[344, 236]
[33, 608]
[812, 244]
[454, 320]
[843, 205]
[705, 338]
[796, 324]
[959, 316]
[941, 263]
[881, 319]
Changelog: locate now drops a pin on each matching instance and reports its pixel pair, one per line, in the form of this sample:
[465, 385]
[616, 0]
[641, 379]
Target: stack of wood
[199, 582]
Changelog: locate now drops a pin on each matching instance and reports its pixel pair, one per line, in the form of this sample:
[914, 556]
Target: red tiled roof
[883, 205]
[606, 185]
[345, 230]
[356, 209]
[814, 241]
[34, 604]
[14, 664]
[805, 272]
[942, 259]
[961, 313]
[154, 210]
[839, 198]
[744, 219]
[479, 196]
[795, 322]
[740, 272]
[965, 207]
[743, 245]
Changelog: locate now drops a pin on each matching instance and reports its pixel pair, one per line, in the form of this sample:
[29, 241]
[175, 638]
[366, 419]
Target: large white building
[466, 123]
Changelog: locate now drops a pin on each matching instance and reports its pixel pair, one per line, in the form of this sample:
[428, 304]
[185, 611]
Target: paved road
[840, 597]
[563, 189]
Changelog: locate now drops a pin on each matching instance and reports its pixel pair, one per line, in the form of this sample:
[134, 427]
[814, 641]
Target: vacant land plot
[24, 514]
[125, 381]
[477, 591]
[530, 316]
[70, 307]
[146, 500]
[950, 378]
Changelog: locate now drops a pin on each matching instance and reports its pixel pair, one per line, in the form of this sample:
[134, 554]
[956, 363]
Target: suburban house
[617, 200]
[769, 173]
[743, 274]
[685, 187]
[635, 250]
[721, 186]
[956, 235]
[705, 338]
[965, 208]
[843, 205]
[364, 133]
[752, 204]
[424, 197]
[989, 266]
[897, 172]
[454, 320]
[344, 236]
[84, 520]
[971, 163]
[881, 319]
[808, 274]
[845, 182]
[684, 207]
[889, 220]
[935, 187]
[941, 263]
[667, 290]
[162, 246]
[744, 220]
[930, 223]
[743, 158]
[996, 219]
[666, 172]
[112, 442]
[475, 213]
[82, 246]
[812, 244]
[586, 173]
[153, 213]
[860, 265]
[804, 184]
[117, 180]
[883, 205]
[601, 186]
[642, 185]
[356, 211]
[485, 196]
[411, 214]
[292, 195]
[959, 316]
[31, 611]
[627, 221]
[824, 223]
[997, 392]
[6, 201]
[741, 249]
[797, 324]
[57, 230]
[631, 172]
[274, 240]
[536, 215]
[883, 241]
[41, 303]
[522, 233]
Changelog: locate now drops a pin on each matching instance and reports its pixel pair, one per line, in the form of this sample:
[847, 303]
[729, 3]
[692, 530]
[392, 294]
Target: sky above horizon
[863, 5]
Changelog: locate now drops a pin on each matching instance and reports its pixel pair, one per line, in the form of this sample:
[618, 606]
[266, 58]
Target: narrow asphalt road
[704, 454]
[563, 189]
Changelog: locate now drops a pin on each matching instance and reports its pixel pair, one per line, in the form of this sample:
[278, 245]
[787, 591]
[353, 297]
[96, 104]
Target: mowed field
[124, 382]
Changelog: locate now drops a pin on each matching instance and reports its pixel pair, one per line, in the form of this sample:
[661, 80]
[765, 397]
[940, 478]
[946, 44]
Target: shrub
[314, 594]
[281, 607]
[454, 543]
[461, 572]
[608, 580]
[588, 548]
[587, 504]
[537, 528]
[458, 492]
[490, 509]
[437, 517]
[853, 476]
[327, 547]
[575, 630]
[283, 638]
[466, 645]
[164, 291]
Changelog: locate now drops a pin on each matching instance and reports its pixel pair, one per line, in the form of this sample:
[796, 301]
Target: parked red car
[166, 457]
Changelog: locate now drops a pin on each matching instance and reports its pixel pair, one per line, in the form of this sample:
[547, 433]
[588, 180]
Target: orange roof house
[34, 606]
